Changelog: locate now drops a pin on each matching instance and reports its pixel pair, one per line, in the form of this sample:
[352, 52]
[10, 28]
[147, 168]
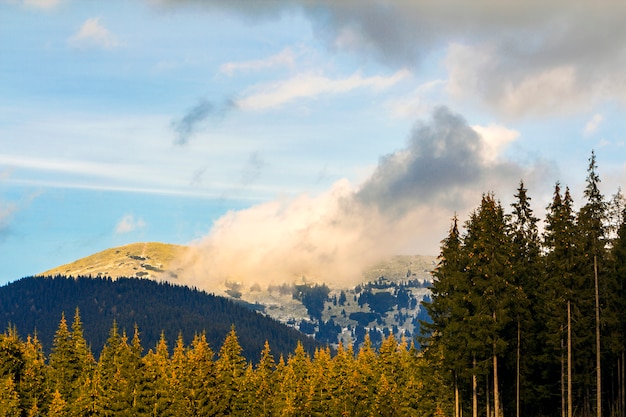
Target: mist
[404, 207]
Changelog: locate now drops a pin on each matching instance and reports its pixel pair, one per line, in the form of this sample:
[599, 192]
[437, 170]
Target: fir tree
[230, 367]
[58, 406]
[527, 275]
[9, 398]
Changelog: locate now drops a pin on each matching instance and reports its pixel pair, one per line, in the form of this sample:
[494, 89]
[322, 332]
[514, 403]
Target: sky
[297, 138]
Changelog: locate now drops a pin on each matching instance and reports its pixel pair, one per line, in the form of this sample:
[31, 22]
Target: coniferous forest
[530, 323]
[526, 319]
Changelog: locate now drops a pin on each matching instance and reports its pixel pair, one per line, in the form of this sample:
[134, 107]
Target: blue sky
[325, 132]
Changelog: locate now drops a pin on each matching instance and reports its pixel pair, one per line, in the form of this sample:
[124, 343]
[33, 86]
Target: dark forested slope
[36, 304]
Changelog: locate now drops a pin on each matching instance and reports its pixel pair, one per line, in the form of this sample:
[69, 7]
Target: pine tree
[619, 329]
[385, 404]
[58, 406]
[558, 291]
[526, 278]
[264, 381]
[158, 391]
[230, 367]
[592, 264]
[70, 361]
[33, 385]
[177, 378]
[200, 378]
[115, 369]
[9, 398]
[449, 309]
[492, 296]
[63, 372]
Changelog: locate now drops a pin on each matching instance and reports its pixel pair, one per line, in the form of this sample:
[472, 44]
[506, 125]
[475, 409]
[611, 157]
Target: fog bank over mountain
[404, 207]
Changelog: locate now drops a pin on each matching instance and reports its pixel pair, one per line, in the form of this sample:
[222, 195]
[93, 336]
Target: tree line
[528, 322]
[156, 307]
[194, 381]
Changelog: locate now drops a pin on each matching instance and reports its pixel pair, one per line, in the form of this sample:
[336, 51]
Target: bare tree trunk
[488, 397]
[563, 403]
[569, 358]
[457, 412]
[474, 390]
[598, 353]
[518, 379]
[623, 386]
[496, 393]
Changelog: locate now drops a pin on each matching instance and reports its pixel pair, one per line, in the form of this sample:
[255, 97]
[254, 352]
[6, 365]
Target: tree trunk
[518, 378]
[457, 412]
[598, 353]
[623, 386]
[496, 393]
[474, 390]
[488, 397]
[569, 358]
[563, 402]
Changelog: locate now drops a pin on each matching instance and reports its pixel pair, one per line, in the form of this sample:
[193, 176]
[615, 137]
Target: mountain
[36, 304]
[152, 260]
[388, 299]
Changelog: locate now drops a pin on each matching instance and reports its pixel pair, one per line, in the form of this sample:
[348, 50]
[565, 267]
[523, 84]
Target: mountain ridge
[387, 299]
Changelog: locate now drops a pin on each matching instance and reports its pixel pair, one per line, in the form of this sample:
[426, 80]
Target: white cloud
[593, 124]
[42, 4]
[495, 138]
[93, 34]
[128, 224]
[284, 58]
[310, 86]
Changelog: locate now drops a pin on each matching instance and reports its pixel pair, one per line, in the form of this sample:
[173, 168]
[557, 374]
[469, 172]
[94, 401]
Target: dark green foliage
[505, 304]
[154, 307]
[313, 298]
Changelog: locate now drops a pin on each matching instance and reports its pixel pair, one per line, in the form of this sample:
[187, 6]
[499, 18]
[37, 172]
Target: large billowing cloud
[520, 58]
[403, 207]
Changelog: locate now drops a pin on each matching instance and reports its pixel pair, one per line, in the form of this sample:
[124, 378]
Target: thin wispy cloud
[42, 4]
[93, 34]
[285, 58]
[128, 224]
[593, 124]
[193, 120]
[267, 96]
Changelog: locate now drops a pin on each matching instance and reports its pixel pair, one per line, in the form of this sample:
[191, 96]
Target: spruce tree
[263, 382]
[58, 406]
[592, 268]
[527, 275]
[33, 387]
[9, 398]
[230, 368]
[158, 391]
[449, 309]
[63, 371]
[492, 296]
[559, 292]
[200, 378]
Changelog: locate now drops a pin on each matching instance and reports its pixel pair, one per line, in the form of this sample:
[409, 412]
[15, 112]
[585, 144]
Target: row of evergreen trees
[528, 322]
[190, 381]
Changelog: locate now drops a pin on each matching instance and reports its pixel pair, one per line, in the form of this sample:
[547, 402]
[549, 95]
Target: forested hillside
[200, 380]
[36, 304]
[528, 323]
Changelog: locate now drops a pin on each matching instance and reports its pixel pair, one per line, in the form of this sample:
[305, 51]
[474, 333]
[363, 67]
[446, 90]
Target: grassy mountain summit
[152, 260]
